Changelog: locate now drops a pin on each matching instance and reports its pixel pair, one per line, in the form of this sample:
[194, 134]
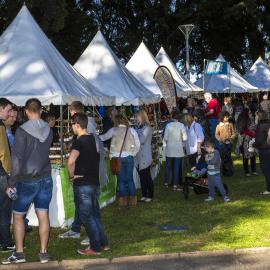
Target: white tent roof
[30, 66]
[99, 65]
[229, 83]
[182, 83]
[143, 66]
[259, 75]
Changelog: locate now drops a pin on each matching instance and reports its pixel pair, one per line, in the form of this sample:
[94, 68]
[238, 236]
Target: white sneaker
[226, 199]
[209, 199]
[143, 199]
[69, 234]
[85, 242]
[248, 174]
[148, 200]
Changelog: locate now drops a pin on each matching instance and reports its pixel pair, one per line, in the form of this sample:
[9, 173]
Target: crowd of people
[204, 132]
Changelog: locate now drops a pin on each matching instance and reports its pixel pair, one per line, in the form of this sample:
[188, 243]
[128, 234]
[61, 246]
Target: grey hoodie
[30, 153]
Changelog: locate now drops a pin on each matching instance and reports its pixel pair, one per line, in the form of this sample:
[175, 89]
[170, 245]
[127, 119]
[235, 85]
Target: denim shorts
[38, 192]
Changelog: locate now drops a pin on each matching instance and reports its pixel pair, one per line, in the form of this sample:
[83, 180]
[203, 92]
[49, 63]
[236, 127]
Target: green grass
[242, 223]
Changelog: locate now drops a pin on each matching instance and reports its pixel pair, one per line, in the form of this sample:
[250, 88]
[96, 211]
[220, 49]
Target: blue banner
[216, 67]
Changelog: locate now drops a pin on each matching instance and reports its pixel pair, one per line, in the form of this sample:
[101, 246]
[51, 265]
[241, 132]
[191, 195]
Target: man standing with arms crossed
[31, 179]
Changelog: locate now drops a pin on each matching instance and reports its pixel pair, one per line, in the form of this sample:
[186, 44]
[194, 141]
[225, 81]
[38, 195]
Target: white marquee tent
[143, 66]
[30, 66]
[259, 75]
[225, 83]
[99, 65]
[182, 83]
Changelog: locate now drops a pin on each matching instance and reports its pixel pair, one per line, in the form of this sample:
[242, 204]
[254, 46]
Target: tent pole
[229, 70]
[203, 72]
[61, 135]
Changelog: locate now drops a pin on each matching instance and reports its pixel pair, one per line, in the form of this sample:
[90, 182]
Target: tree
[239, 29]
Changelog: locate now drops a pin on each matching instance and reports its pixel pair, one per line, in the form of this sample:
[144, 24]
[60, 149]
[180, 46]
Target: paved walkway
[255, 259]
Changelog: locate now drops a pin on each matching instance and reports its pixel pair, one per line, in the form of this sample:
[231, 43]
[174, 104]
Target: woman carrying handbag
[125, 145]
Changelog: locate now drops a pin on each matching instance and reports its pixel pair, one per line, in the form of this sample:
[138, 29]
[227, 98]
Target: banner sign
[107, 193]
[166, 84]
[216, 67]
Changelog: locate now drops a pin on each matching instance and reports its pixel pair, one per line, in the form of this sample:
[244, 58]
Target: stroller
[197, 179]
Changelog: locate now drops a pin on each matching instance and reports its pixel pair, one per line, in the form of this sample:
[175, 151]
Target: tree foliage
[239, 29]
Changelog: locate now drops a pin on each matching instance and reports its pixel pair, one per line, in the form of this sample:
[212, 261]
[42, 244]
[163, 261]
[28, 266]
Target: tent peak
[220, 58]
[37, 69]
[100, 65]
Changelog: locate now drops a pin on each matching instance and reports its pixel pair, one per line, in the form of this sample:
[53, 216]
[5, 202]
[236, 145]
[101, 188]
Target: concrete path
[242, 259]
[254, 261]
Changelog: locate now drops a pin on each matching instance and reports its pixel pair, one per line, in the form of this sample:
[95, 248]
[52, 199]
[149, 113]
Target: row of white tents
[30, 66]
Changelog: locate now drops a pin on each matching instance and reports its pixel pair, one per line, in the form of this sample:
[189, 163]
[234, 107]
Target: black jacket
[262, 134]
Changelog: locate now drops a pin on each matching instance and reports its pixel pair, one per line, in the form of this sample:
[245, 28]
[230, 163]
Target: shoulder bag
[115, 162]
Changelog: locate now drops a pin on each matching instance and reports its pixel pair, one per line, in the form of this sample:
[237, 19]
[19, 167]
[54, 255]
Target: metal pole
[61, 135]
[230, 84]
[186, 30]
[187, 56]
[204, 60]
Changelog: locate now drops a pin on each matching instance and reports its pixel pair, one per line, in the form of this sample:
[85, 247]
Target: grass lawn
[242, 223]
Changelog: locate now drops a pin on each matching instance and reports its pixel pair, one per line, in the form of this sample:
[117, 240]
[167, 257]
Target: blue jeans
[214, 181]
[86, 199]
[177, 170]
[264, 156]
[76, 224]
[125, 181]
[213, 122]
[38, 192]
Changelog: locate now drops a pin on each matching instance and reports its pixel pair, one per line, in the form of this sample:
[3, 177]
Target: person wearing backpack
[262, 143]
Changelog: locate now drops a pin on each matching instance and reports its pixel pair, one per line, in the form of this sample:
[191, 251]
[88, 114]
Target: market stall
[35, 69]
[230, 82]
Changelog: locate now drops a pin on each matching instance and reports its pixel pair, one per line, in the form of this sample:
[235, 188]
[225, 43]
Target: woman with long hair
[246, 128]
[144, 156]
[195, 138]
[123, 135]
[262, 143]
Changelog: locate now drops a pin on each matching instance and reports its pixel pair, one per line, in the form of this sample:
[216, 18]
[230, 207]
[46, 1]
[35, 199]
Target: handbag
[115, 162]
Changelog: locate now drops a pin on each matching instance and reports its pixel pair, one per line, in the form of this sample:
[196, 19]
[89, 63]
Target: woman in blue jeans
[262, 143]
[173, 141]
[125, 144]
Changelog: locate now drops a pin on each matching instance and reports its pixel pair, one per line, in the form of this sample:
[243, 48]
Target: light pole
[186, 29]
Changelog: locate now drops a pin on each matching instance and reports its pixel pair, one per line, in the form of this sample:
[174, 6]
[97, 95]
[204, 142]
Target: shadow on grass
[134, 231]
